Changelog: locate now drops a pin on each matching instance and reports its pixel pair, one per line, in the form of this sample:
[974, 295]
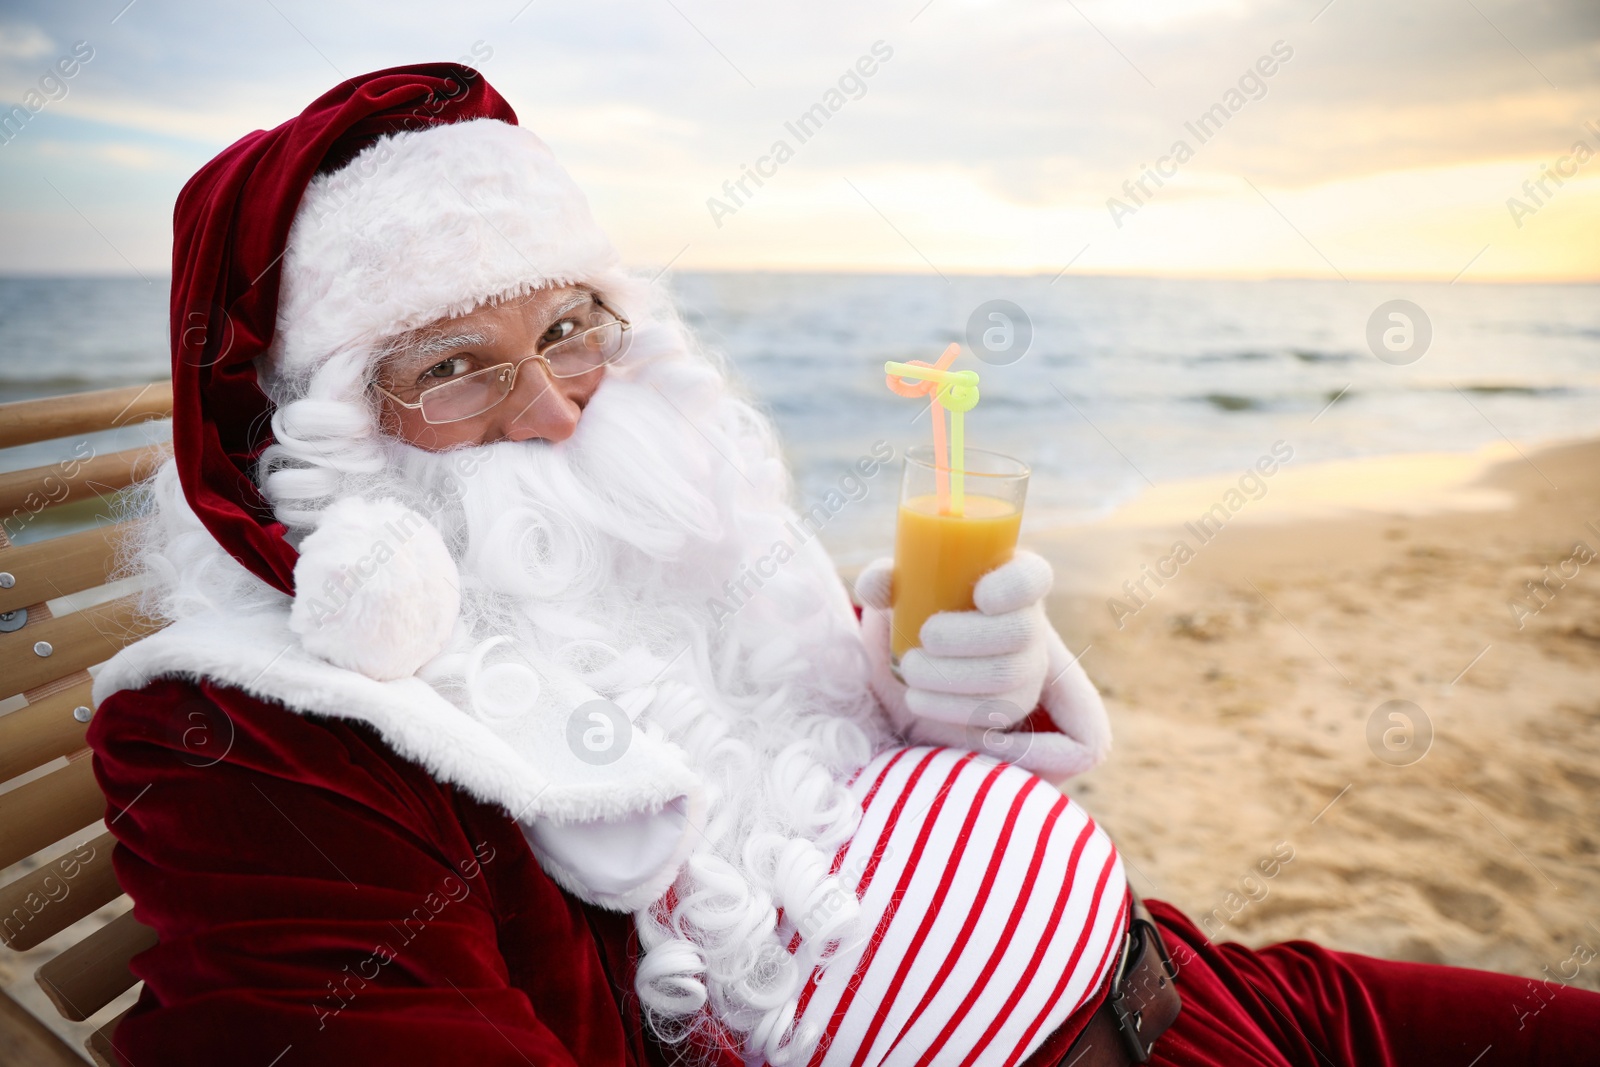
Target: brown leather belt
[1143, 1002]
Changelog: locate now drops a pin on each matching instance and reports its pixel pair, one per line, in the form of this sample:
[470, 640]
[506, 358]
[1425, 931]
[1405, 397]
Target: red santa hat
[396, 198]
[428, 224]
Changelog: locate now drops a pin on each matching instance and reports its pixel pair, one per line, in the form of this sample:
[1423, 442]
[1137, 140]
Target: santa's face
[516, 370]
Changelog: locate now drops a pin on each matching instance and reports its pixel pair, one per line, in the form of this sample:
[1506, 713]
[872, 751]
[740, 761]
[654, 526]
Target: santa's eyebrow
[578, 299]
[433, 346]
[438, 344]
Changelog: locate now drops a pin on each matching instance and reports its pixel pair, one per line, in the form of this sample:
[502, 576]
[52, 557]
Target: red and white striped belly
[998, 906]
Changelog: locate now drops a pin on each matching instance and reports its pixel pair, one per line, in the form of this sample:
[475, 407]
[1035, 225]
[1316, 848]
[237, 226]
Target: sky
[1351, 138]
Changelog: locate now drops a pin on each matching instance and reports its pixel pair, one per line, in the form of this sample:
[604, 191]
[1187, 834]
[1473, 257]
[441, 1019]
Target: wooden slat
[76, 641]
[39, 814]
[102, 1043]
[91, 974]
[24, 1039]
[25, 493]
[27, 421]
[35, 735]
[52, 897]
[60, 566]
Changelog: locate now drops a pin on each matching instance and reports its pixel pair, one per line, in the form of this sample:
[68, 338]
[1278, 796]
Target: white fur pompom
[376, 590]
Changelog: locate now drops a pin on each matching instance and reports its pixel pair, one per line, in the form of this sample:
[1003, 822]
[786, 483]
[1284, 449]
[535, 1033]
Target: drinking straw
[941, 466]
[955, 391]
[903, 387]
[959, 394]
[958, 468]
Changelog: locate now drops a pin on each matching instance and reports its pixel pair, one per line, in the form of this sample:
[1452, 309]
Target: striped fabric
[999, 906]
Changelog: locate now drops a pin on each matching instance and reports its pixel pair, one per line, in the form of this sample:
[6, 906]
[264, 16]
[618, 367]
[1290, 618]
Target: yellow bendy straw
[955, 391]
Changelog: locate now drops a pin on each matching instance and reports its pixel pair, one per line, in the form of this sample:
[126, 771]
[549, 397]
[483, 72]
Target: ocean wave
[1231, 402]
[1512, 389]
[1259, 355]
[1546, 329]
[1248, 355]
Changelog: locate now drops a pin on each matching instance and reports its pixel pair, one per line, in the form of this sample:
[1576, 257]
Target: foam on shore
[1416, 484]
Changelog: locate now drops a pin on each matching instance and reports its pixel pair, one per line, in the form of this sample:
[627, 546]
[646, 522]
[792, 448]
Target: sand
[1246, 784]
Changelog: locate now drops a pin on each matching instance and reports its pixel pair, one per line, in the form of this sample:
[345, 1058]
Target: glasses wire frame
[504, 375]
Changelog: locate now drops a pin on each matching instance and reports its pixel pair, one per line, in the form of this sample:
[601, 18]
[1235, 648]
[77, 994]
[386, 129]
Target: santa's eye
[453, 367]
[560, 330]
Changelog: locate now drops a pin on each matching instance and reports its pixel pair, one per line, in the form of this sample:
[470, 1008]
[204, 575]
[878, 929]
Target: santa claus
[471, 739]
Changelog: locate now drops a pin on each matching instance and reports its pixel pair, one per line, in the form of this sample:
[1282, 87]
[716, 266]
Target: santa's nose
[538, 408]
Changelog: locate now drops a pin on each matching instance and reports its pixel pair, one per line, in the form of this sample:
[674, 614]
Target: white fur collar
[524, 764]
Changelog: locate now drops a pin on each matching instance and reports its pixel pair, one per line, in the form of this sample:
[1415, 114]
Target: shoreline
[1253, 697]
[1139, 532]
[1400, 483]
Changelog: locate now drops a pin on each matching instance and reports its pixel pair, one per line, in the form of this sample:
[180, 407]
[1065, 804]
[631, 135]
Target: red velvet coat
[321, 900]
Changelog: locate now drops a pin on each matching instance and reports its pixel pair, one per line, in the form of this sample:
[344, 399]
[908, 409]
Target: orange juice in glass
[940, 552]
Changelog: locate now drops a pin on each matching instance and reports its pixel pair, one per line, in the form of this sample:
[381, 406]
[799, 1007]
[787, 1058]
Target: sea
[1103, 385]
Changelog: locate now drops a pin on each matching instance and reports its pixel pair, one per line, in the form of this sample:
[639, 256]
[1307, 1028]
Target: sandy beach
[1261, 780]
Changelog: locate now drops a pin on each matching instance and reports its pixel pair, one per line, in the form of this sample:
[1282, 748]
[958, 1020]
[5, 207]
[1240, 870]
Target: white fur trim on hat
[376, 590]
[423, 225]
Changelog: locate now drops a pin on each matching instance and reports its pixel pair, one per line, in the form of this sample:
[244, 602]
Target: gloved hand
[620, 810]
[980, 673]
[993, 657]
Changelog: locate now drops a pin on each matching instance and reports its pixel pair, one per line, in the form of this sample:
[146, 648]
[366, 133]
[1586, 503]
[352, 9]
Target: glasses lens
[586, 351]
[471, 394]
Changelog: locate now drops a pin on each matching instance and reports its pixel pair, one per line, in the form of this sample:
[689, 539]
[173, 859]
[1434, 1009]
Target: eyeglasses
[584, 352]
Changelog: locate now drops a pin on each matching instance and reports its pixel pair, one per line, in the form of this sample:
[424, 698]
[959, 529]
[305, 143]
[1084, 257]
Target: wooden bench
[49, 792]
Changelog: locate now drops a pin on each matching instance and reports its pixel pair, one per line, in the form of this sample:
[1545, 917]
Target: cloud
[23, 41]
[993, 137]
[142, 157]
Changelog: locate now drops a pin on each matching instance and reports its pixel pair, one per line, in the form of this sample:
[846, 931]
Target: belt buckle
[1131, 1022]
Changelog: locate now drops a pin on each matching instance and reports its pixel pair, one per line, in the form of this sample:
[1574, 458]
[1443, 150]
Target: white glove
[993, 657]
[621, 810]
[980, 673]
[611, 859]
